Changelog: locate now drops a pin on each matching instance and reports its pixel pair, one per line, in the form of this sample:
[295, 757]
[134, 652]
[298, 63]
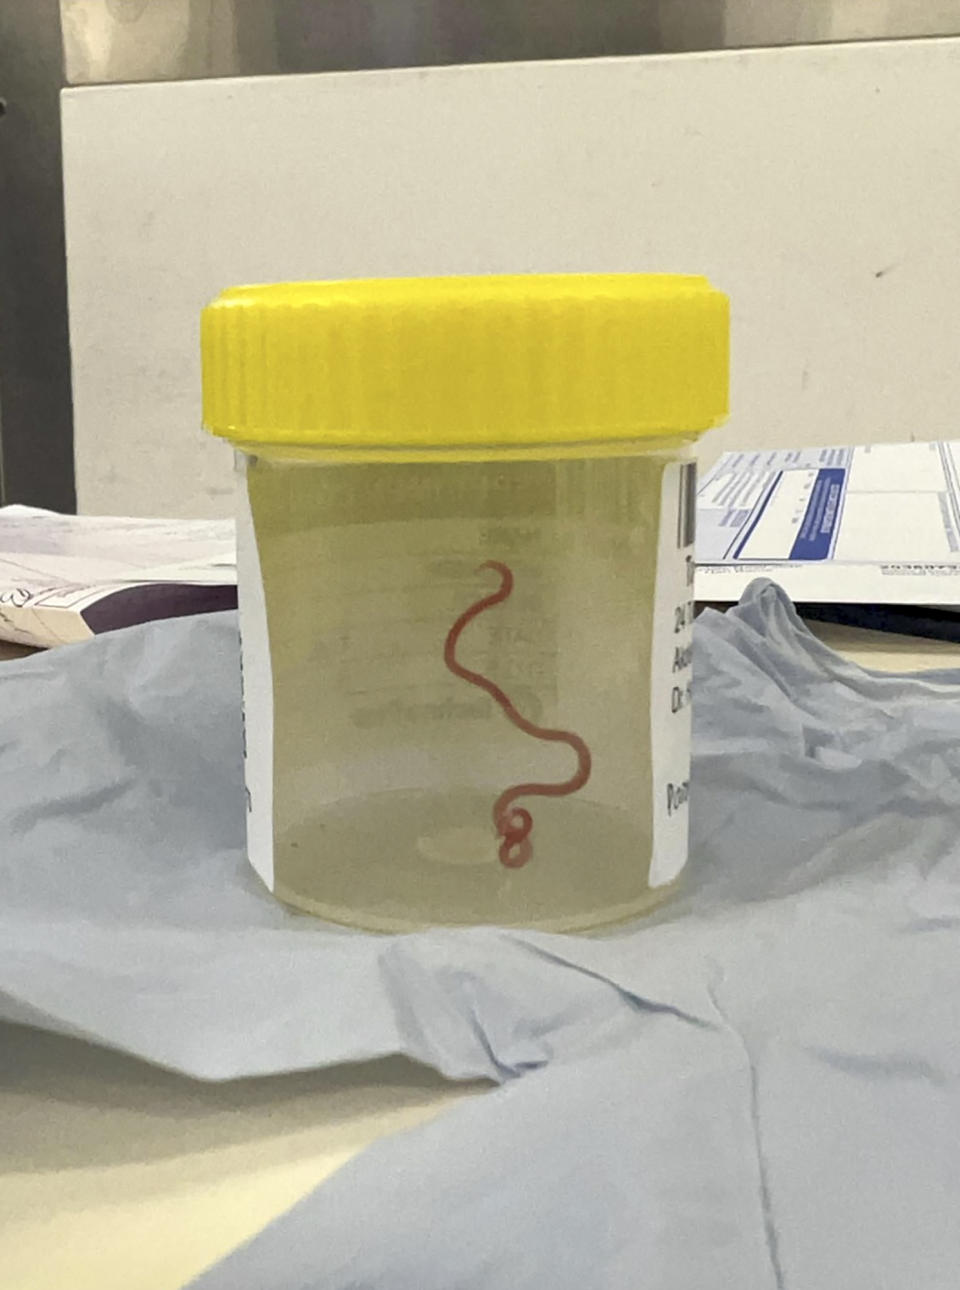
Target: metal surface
[37, 434]
[146, 40]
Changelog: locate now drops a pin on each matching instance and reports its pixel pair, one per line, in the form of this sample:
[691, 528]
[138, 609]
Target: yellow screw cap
[466, 362]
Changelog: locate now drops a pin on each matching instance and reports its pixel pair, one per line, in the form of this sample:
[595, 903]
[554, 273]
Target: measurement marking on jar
[514, 823]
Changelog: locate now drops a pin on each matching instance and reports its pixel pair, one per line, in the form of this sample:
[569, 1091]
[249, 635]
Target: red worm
[514, 823]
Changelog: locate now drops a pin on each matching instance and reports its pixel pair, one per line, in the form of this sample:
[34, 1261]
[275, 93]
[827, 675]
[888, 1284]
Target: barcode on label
[687, 505]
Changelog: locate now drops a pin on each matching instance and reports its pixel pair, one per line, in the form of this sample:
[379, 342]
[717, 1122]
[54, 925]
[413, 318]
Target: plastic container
[466, 568]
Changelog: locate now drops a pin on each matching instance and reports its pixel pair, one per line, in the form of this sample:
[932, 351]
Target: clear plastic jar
[467, 629]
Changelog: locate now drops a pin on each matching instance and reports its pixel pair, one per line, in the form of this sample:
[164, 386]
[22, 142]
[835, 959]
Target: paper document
[866, 525]
[64, 578]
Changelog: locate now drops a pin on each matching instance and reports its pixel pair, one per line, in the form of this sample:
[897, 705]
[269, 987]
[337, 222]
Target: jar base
[405, 860]
[599, 920]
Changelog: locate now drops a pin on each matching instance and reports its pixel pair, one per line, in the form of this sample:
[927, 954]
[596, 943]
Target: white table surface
[117, 1176]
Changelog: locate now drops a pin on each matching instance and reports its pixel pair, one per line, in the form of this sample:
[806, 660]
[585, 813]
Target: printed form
[64, 578]
[868, 525]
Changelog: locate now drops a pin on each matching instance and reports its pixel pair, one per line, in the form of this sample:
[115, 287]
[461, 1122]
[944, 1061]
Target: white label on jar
[257, 674]
[671, 691]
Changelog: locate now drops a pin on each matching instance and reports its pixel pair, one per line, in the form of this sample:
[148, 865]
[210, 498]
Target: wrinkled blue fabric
[757, 1087]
